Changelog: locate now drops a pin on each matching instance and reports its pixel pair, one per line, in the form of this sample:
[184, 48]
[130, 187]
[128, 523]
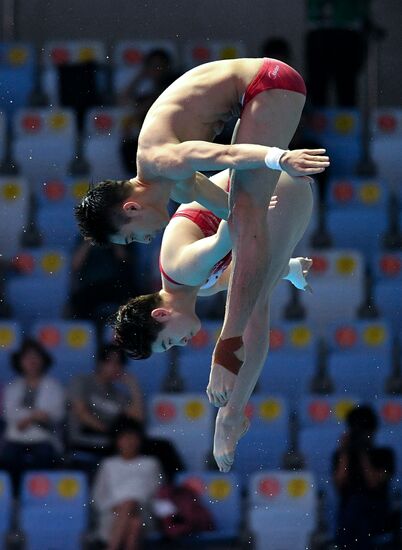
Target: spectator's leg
[134, 532]
[124, 513]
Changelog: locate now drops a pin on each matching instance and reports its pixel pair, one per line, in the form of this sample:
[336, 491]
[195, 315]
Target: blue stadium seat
[389, 436]
[338, 130]
[39, 291]
[264, 445]
[360, 357]
[282, 510]
[325, 411]
[337, 280]
[10, 340]
[54, 508]
[17, 68]
[57, 53]
[187, 421]
[357, 214]
[221, 494]
[6, 506]
[317, 444]
[387, 273]
[386, 144]
[72, 345]
[3, 135]
[14, 206]
[204, 51]
[44, 143]
[129, 56]
[104, 130]
[291, 361]
[55, 212]
[151, 373]
[389, 411]
[280, 299]
[195, 358]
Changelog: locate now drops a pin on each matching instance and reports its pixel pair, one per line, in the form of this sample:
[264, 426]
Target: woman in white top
[33, 405]
[124, 488]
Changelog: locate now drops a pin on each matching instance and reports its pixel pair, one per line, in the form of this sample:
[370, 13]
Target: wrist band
[273, 157]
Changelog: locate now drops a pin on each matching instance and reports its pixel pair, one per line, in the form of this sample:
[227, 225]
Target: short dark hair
[135, 329]
[97, 215]
[362, 418]
[124, 424]
[107, 350]
[27, 345]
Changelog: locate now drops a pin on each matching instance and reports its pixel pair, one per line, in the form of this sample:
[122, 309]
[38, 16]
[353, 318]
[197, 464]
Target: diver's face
[143, 224]
[178, 330]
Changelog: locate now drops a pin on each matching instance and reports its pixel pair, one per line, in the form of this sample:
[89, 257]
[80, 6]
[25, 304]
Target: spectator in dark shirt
[336, 49]
[155, 75]
[102, 278]
[362, 472]
[97, 400]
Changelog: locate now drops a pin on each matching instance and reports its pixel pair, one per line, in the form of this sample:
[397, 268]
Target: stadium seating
[387, 275]
[6, 503]
[198, 52]
[55, 210]
[54, 508]
[44, 144]
[267, 440]
[282, 510]
[357, 214]
[389, 410]
[129, 55]
[72, 345]
[337, 280]
[17, 69]
[317, 445]
[151, 373]
[291, 361]
[187, 421]
[39, 290]
[360, 357]
[10, 340]
[3, 135]
[386, 145]
[104, 130]
[338, 130]
[221, 494]
[14, 206]
[325, 411]
[57, 53]
[195, 358]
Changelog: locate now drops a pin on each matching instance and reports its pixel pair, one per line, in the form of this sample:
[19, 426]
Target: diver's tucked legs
[285, 232]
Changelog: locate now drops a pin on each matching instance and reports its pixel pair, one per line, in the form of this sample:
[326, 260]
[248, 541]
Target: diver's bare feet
[297, 272]
[228, 430]
[222, 380]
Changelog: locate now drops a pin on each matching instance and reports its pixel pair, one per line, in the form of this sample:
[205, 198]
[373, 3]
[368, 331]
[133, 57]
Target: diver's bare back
[196, 105]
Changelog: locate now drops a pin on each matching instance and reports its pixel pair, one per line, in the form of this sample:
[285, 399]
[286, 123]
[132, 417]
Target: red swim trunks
[274, 75]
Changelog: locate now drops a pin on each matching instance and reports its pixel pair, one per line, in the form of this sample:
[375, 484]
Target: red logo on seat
[346, 337]
[390, 265]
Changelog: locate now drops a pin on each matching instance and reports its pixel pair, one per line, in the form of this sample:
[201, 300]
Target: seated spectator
[102, 278]
[362, 472]
[124, 489]
[155, 75]
[98, 399]
[33, 405]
